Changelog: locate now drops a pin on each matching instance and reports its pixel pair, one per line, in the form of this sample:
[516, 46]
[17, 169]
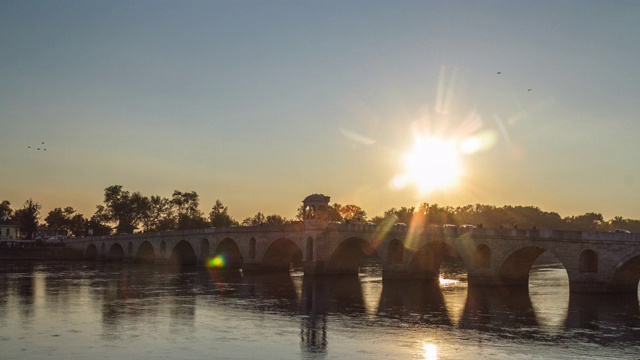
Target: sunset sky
[261, 103]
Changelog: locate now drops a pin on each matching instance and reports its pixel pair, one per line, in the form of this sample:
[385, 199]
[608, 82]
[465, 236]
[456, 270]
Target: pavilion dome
[317, 198]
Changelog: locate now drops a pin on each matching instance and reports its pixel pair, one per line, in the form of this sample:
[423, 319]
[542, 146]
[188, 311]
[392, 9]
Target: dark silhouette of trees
[350, 212]
[257, 219]
[77, 225]
[219, 217]
[276, 220]
[159, 214]
[28, 218]
[60, 221]
[261, 219]
[131, 210]
[526, 217]
[97, 227]
[123, 208]
[5, 208]
[332, 213]
[189, 216]
[587, 222]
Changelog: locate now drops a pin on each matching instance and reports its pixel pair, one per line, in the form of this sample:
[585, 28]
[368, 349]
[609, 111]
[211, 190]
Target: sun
[433, 164]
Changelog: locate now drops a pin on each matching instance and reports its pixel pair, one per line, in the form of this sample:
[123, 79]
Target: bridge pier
[313, 268]
[252, 266]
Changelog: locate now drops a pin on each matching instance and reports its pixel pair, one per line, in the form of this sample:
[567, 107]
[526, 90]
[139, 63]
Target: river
[56, 310]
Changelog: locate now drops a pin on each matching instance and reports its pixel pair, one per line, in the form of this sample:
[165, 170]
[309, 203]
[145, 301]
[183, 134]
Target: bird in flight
[43, 149]
[499, 72]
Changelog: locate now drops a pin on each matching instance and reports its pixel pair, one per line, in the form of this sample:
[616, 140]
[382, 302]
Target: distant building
[9, 229]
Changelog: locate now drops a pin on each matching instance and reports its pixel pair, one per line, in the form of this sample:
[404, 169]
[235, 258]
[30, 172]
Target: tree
[349, 212]
[403, 215]
[218, 217]
[189, 216]
[275, 220]
[434, 214]
[95, 226]
[587, 222]
[333, 212]
[122, 208]
[5, 208]
[186, 202]
[257, 219]
[186, 222]
[159, 215]
[28, 217]
[77, 225]
[300, 213]
[59, 220]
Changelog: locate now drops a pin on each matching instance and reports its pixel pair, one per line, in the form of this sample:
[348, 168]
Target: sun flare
[432, 164]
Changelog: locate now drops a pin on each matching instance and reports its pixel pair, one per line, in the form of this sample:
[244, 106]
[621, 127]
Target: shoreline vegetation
[126, 212]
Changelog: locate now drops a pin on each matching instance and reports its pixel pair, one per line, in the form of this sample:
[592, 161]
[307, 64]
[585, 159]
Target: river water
[110, 311]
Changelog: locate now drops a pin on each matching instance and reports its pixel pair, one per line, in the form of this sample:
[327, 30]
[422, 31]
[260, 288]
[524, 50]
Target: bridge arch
[183, 254]
[516, 265]
[91, 252]
[346, 257]
[626, 274]
[145, 253]
[282, 254]
[588, 261]
[426, 260]
[116, 253]
[229, 253]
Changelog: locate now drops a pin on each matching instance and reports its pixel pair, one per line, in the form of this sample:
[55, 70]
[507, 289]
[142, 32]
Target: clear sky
[261, 103]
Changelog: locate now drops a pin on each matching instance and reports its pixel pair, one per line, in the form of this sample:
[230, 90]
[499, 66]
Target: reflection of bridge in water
[595, 262]
[128, 294]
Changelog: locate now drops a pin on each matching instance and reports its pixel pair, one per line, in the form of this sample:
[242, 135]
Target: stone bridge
[594, 261]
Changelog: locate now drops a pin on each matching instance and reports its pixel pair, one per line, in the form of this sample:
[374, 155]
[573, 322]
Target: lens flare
[478, 142]
[216, 262]
[383, 229]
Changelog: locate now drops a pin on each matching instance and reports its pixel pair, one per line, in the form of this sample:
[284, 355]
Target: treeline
[123, 211]
[506, 216]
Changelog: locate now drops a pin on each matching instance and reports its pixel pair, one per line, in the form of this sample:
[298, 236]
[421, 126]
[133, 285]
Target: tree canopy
[28, 218]
[219, 217]
[5, 208]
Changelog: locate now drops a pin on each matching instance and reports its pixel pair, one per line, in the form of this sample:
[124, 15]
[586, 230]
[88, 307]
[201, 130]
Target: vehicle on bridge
[623, 231]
